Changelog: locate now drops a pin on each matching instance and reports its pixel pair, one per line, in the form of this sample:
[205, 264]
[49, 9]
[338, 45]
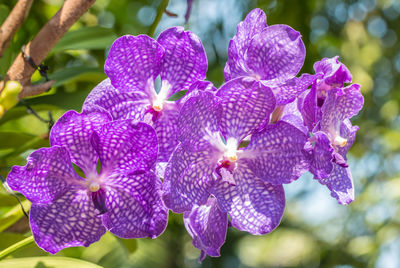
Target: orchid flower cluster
[219, 156]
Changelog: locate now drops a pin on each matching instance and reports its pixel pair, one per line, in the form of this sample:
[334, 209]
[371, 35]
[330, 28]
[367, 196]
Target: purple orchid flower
[124, 197]
[134, 63]
[330, 74]
[207, 225]
[332, 137]
[271, 54]
[246, 182]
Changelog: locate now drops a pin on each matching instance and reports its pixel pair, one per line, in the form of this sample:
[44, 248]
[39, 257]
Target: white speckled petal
[184, 61]
[135, 209]
[166, 127]
[73, 131]
[133, 62]
[307, 104]
[198, 120]
[254, 23]
[69, 221]
[253, 205]
[340, 183]
[207, 225]
[246, 104]
[188, 176]
[292, 115]
[46, 175]
[276, 154]
[276, 53]
[321, 164]
[125, 145]
[120, 104]
[341, 104]
[292, 88]
[335, 73]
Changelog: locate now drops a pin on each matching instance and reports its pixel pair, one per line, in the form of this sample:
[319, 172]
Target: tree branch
[13, 22]
[42, 44]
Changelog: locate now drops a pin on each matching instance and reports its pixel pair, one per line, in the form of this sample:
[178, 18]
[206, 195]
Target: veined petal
[253, 205]
[347, 131]
[125, 145]
[340, 183]
[73, 131]
[135, 209]
[276, 53]
[69, 221]
[292, 88]
[341, 104]
[46, 175]
[166, 128]
[292, 115]
[188, 176]
[322, 154]
[133, 61]
[120, 104]
[235, 65]
[246, 104]
[195, 88]
[307, 104]
[254, 23]
[335, 73]
[199, 121]
[276, 154]
[184, 61]
[207, 225]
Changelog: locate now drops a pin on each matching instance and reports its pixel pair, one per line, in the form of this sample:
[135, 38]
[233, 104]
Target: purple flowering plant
[219, 156]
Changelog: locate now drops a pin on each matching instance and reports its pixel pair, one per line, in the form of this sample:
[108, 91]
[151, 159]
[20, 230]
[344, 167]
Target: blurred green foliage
[315, 231]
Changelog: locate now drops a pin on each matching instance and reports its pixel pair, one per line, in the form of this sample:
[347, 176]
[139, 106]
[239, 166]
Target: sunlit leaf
[129, 244]
[14, 139]
[13, 215]
[78, 73]
[86, 38]
[42, 262]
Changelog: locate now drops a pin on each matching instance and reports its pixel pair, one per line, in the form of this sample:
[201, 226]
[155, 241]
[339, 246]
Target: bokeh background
[315, 230]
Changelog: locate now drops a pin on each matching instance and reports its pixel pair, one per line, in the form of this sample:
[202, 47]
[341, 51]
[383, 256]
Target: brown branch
[44, 41]
[13, 22]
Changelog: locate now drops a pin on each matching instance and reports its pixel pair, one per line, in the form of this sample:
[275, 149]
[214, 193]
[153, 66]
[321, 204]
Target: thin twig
[21, 70]
[13, 22]
[160, 12]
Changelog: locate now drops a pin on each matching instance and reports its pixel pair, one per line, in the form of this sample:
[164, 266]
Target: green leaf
[86, 38]
[20, 111]
[64, 100]
[129, 244]
[14, 139]
[4, 11]
[13, 215]
[177, 95]
[78, 73]
[43, 262]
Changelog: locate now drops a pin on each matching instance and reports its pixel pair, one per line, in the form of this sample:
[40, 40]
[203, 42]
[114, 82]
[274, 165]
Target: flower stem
[160, 12]
[16, 246]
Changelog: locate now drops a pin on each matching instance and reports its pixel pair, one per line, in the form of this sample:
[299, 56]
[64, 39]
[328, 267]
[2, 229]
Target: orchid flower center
[339, 141]
[160, 98]
[94, 187]
[97, 193]
[230, 152]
